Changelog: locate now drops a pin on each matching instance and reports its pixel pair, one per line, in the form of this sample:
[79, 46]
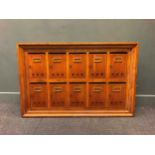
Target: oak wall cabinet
[77, 79]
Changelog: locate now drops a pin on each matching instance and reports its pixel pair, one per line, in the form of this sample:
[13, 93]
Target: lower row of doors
[76, 95]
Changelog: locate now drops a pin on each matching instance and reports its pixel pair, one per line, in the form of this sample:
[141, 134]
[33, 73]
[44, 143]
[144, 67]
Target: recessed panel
[77, 66]
[97, 66]
[36, 67]
[57, 66]
[77, 95]
[97, 95]
[38, 96]
[117, 96]
[118, 66]
[58, 95]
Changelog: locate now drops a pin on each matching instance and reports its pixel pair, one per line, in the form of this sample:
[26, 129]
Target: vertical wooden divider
[128, 79]
[87, 79]
[107, 78]
[133, 76]
[67, 79]
[47, 80]
[27, 85]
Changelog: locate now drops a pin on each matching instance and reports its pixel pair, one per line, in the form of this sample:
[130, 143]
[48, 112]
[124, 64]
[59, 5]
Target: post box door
[36, 66]
[97, 66]
[117, 95]
[97, 95]
[77, 95]
[57, 66]
[58, 95]
[38, 96]
[118, 66]
[77, 66]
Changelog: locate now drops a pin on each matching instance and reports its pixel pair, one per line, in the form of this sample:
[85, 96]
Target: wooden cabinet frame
[78, 48]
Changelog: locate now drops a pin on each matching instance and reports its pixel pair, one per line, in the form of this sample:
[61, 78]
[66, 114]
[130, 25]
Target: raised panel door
[58, 96]
[118, 66]
[97, 66]
[38, 96]
[77, 95]
[36, 67]
[97, 95]
[117, 96]
[57, 66]
[77, 66]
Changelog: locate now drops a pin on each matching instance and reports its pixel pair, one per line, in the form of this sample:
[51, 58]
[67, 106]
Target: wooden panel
[97, 95]
[77, 66]
[58, 95]
[97, 66]
[117, 96]
[36, 67]
[77, 79]
[38, 96]
[118, 66]
[57, 66]
[77, 95]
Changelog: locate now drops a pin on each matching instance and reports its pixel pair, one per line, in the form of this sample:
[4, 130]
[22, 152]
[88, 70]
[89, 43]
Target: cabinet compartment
[57, 66]
[97, 95]
[77, 95]
[118, 66]
[36, 67]
[58, 95]
[77, 66]
[117, 96]
[38, 96]
[97, 66]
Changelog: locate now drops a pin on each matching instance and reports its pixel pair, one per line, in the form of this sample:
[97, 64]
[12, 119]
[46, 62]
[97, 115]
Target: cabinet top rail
[51, 44]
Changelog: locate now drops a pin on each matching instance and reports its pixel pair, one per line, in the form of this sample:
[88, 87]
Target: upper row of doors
[77, 65]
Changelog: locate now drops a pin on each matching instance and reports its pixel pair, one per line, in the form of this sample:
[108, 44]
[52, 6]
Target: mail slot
[57, 59]
[77, 66]
[77, 59]
[77, 95]
[58, 95]
[97, 95]
[97, 66]
[117, 95]
[118, 66]
[57, 66]
[36, 60]
[38, 96]
[36, 67]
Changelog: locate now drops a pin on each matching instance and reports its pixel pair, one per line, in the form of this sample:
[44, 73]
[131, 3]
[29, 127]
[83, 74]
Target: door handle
[117, 89]
[36, 60]
[77, 89]
[57, 59]
[77, 60]
[58, 89]
[97, 60]
[97, 89]
[37, 89]
[118, 59]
